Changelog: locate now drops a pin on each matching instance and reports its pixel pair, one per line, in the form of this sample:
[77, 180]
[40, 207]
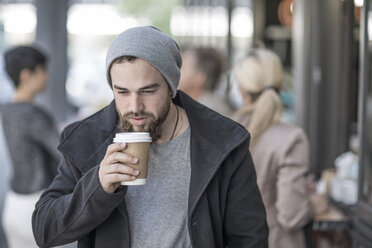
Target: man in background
[200, 74]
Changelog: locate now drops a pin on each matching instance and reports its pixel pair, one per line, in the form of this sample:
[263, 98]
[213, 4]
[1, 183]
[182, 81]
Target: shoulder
[82, 141]
[26, 111]
[281, 137]
[80, 124]
[100, 122]
[285, 131]
[285, 139]
[40, 112]
[211, 128]
[216, 103]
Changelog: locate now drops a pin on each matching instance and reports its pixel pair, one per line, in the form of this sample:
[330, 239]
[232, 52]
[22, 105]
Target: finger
[118, 178]
[115, 148]
[121, 157]
[121, 169]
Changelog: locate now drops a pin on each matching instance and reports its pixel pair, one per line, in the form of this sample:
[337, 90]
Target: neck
[169, 125]
[22, 96]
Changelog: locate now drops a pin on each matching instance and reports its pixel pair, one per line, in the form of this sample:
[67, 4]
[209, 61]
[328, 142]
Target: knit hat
[152, 45]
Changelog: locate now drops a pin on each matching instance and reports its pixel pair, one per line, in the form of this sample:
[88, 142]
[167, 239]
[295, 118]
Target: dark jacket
[225, 205]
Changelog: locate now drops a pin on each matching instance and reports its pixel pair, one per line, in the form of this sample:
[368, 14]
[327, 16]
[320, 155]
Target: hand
[113, 168]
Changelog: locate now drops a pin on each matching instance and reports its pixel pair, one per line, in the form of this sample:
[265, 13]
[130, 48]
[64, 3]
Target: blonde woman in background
[279, 150]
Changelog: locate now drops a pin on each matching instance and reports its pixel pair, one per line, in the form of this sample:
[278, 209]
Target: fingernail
[133, 177]
[135, 160]
[122, 144]
[136, 172]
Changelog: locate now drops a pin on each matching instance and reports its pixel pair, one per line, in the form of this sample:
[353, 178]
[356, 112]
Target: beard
[153, 125]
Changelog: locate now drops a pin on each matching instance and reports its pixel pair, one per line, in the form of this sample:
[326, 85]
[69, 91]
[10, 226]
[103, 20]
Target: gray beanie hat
[152, 45]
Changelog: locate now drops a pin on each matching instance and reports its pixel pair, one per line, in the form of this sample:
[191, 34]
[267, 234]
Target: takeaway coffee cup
[138, 145]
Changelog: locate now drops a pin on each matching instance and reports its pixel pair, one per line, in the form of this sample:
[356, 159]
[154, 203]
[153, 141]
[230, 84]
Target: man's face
[188, 72]
[142, 97]
[192, 78]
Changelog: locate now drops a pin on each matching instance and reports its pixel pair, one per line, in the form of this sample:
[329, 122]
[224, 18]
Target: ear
[245, 96]
[201, 79]
[24, 75]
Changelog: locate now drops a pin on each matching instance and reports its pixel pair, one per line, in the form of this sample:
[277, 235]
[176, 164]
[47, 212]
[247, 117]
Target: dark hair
[124, 58]
[119, 60]
[209, 61]
[23, 57]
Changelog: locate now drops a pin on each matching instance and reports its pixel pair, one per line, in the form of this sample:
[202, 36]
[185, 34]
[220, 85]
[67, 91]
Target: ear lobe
[201, 79]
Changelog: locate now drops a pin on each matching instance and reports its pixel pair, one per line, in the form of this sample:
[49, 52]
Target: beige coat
[281, 160]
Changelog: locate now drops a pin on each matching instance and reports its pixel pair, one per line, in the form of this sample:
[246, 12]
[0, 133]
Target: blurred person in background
[280, 151]
[200, 73]
[5, 168]
[32, 140]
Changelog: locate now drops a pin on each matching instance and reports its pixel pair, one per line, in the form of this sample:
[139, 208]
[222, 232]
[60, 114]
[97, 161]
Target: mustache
[154, 126]
[138, 115]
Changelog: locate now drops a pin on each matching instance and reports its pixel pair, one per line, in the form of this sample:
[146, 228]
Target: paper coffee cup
[138, 145]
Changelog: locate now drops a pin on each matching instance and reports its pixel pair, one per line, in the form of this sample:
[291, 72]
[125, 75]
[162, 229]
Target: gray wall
[322, 59]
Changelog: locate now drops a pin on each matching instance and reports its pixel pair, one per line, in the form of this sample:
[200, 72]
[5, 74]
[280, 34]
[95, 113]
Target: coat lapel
[85, 143]
[213, 137]
[203, 167]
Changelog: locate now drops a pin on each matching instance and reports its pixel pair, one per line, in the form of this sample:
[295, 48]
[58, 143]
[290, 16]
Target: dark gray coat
[225, 205]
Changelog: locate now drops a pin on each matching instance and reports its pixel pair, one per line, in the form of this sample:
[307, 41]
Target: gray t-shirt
[158, 210]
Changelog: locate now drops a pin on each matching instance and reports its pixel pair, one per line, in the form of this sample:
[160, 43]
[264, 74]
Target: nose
[136, 103]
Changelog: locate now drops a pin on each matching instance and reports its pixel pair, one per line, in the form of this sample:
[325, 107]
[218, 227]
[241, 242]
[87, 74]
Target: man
[201, 189]
[200, 72]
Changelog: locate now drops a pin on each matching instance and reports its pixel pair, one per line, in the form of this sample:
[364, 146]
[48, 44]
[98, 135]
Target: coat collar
[213, 137]
[85, 142]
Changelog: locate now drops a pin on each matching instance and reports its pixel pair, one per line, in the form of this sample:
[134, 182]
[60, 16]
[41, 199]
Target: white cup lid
[132, 137]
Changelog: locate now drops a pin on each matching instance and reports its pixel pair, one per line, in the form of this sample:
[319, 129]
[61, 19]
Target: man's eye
[147, 92]
[122, 92]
